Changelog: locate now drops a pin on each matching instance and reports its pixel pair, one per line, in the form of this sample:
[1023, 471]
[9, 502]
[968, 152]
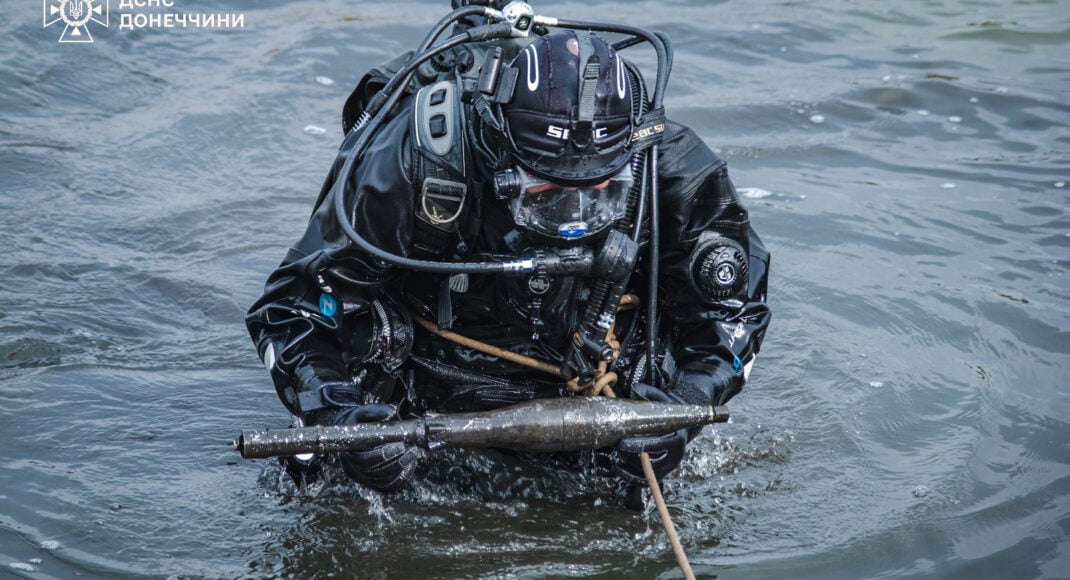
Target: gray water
[908, 416]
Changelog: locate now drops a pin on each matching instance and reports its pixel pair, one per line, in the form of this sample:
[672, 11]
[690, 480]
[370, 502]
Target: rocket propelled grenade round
[541, 425]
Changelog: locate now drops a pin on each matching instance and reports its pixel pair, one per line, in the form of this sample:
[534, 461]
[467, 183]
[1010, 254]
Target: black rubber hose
[652, 299]
[399, 80]
[447, 20]
[381, 107]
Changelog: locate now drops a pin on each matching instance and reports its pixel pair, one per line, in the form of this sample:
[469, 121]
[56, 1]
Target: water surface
[907, 166]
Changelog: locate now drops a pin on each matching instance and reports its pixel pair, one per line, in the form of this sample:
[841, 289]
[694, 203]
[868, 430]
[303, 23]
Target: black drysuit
[331, 315]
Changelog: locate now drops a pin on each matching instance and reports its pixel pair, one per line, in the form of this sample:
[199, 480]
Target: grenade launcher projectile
[543, 425]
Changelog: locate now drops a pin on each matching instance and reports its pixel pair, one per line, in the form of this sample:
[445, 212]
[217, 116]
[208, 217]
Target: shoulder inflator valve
[718, 267]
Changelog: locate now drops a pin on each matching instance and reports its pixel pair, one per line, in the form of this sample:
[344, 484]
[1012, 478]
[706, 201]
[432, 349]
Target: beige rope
[603, 385]
[487, 348]
[666, 521]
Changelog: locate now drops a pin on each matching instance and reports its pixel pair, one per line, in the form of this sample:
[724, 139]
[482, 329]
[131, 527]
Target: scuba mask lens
[563, 212]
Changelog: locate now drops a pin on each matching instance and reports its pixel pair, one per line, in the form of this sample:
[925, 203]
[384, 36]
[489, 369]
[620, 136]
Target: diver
[511, 216]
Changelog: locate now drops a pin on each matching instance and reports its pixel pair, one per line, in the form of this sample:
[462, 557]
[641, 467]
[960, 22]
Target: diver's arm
[716, 329]
[324, 292]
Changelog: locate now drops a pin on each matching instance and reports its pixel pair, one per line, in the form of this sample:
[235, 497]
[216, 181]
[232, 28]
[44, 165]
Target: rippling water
[906, 165]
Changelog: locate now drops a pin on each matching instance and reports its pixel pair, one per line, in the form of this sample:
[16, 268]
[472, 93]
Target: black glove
[666, 451]
[304, 470]
[715, 387]
[385, 467]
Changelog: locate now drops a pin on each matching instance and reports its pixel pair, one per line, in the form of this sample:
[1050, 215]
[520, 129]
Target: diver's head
[567, 136]
[570, 118]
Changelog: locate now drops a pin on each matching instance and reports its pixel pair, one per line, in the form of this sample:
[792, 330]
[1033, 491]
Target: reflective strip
[746, 368]
[269, 357]
[532, 57]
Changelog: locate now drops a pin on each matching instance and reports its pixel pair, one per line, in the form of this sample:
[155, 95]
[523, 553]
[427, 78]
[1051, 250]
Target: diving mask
[563, 212]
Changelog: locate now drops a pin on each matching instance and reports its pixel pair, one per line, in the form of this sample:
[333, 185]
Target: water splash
[754, 192]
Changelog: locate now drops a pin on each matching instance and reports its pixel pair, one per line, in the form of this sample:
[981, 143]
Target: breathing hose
[378, 109]
[384, 101]
[499, 30]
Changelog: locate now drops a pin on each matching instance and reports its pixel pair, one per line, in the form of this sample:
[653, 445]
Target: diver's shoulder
[682, 142]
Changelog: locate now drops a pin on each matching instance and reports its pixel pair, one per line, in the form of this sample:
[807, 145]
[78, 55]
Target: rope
[486, 348]
[603, 385]
[666, 521]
